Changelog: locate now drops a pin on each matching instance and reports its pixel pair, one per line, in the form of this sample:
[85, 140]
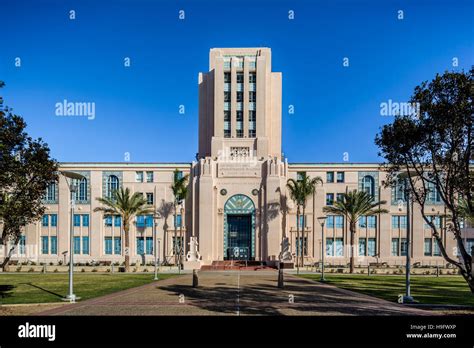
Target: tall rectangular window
[108, 221]
[108, 245]
[117, 246]
[85, 245]
[252, 77]
[300, 240]
[428, 250]
[436, 250]
[339, 247]
[85, 220]
[301, 221]
[140, 221]
[240, 97]
[403, 222]
[117, 221]
[339, 197]
[363, 222]
[372, 247]
[362, 246]
[372, 221]
[45, 221]
[139, 176]
[177, 245]
[54, 245]
[395, 222]
[140, 246]
[329, 246]
[227, 77]
[330, 177]
[395, 247]
[149, 221]
[252, 123]
[403, 247]
[149, 245]
[240, 77]
[177, 222]
[329, 198]
[149, 198]
[54, 220]
[340, 177]
[77, 245]
[330, 221]
[44, 245]
[252, 97]
[339, 219]
[149, 176]
[22, 244]
[77, 220]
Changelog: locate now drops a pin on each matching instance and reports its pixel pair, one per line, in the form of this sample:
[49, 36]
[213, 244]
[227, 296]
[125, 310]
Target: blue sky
[337, 109]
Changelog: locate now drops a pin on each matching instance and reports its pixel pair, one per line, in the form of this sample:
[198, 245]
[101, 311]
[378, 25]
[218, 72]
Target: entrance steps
[229, 265]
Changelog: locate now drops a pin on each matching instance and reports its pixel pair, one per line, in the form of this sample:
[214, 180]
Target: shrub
[55, 270]
[94, 270]
[18, 269]
[83, 269]
[31, 269]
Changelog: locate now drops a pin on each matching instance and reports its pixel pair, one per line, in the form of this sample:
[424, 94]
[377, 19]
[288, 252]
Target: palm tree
[353, 205]
[180, 190]
[127, 206]
[300, 190]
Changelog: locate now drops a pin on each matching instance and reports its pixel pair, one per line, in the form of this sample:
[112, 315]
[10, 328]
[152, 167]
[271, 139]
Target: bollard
[195, 279]
[112, 268]
[368, 269]
[280, 278]
[437, 271]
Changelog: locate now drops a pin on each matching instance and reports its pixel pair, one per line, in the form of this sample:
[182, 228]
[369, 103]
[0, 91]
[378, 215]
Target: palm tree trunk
[302, 236]
[127, 249]
[352, 231]
[175, 242]
[181, 241]
[297, 239]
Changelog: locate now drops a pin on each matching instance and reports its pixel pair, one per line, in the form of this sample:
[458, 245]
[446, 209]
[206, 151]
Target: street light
[156, 217]
[322, 221]
[405, 176]
[71, 297]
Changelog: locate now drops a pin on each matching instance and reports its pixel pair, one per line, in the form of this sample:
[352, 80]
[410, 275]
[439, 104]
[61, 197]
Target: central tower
[239, 179]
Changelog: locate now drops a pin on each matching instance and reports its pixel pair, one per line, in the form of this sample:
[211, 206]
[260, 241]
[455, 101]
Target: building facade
[238, 206]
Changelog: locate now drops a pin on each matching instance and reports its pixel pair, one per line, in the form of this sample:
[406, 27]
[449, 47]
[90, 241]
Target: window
[436, 220]
[372, 247]
[469, 245]
[177, 221]
[140, 221]
[339, 221]
[44, 245]
[363, 222]
[300, 176]
[368, 185]
[77, 220]
[149, 221]
[395, 247]
[403, 221]
[339, 197]
[149, 176]
[436, 250]
[403, 247]
[240, 97]
[139, 176]
[330, 221]
[45, 221]
[329, 198]
[252, 97]
[51, 192]
[252, 77]
[252, 116]
[302, 222]
[108, 221]
[85, 220]
[81, 193]
[54, 244]
[177, 245]
[117, 246]
[227, 115]
[227, 77]
[149, 198]
[398, 192]
[149, 245]
[22, 244]
[330, 177]
[85, 245]
[240, 116]
[178, 175]
[227, 97]
[112, 185]
[77, 245]
[433, 195]
[362, 246]
[340, 177]
[372, 221]
[428, 247]
[339, 247]
[117, 221]
[329, 246]
[399, 222]
[108, 245]
[140, 246]
[54, 220]
[300, 240]
[240, 77]
[252, 124]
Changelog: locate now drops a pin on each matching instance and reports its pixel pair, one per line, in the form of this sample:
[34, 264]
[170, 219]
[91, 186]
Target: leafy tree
[127, 206]
[353, 205]
[180, 190]
[435, 149]
[299, 191]
[26, 170]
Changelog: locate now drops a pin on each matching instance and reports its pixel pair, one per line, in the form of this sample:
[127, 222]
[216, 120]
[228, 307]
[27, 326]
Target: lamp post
[407, 298]
[71, 297]
[322, 221]
[156, 217]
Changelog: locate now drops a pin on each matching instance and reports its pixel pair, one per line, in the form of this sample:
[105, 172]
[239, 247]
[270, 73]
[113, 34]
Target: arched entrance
[239, 228]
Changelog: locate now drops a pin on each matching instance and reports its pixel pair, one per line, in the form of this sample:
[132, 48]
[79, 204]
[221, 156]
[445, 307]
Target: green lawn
[41, 288]
[425, 289]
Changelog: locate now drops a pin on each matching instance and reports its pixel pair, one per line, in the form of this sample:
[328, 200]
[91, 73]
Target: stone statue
[193, 253]
[285, 254]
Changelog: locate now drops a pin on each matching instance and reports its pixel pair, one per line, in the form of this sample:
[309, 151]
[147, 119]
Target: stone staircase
[230, 265]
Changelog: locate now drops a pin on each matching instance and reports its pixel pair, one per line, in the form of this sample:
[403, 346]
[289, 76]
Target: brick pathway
[235, 293]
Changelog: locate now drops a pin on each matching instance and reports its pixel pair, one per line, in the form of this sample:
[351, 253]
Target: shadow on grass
[43, 289]
[5, 290]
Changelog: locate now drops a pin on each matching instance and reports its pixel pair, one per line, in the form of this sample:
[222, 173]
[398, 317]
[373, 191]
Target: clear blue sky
[337, 109]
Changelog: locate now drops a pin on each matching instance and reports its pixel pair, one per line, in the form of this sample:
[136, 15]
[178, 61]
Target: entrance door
[239, 234]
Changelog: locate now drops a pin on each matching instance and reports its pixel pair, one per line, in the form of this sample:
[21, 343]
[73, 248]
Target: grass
[44, 288]
[425, 289]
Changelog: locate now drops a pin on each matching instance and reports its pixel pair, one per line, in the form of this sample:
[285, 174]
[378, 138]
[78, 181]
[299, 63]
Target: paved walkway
[235, 293]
